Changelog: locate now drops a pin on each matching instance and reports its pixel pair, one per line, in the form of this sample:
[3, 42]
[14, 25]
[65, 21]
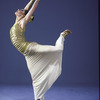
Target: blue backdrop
[80, 56]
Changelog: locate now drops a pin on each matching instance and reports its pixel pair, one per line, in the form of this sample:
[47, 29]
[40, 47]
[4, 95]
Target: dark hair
[25, 12]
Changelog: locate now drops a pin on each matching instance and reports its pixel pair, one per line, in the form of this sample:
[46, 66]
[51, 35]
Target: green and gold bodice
[17, 38]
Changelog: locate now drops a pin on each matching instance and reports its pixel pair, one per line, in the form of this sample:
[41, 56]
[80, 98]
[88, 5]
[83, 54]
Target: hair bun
[32, 18]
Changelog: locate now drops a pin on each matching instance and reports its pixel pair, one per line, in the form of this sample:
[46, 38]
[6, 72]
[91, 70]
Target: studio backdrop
[80, 57]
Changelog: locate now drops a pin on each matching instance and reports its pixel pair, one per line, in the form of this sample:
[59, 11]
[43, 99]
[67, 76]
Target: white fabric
[44, 64]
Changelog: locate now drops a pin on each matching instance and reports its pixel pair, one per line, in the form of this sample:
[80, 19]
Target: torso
[22, 23]
[18, 38]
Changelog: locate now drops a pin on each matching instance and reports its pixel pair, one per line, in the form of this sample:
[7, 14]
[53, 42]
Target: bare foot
[66, 32]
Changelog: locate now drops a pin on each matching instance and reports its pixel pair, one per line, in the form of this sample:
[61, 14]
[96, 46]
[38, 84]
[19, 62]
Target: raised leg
[35, 47]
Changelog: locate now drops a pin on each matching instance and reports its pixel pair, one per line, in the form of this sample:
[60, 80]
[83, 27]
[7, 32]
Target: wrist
[32, 0]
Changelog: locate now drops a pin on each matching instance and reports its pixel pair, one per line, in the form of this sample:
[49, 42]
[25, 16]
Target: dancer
[43, 61]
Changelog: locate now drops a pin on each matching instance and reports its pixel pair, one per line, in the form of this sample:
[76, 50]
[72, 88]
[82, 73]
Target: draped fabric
[43, 61]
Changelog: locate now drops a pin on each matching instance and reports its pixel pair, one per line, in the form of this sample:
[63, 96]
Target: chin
[15, 13]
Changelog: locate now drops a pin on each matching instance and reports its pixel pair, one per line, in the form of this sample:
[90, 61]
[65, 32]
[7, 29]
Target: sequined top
[17, 38]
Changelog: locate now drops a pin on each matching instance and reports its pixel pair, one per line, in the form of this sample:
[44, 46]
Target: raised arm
[28, 6]
[31, 11]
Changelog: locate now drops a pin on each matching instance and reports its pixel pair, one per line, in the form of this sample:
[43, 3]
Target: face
[20, 12]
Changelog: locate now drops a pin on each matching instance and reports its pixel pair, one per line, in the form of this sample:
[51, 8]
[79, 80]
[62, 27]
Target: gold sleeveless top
[17, 38]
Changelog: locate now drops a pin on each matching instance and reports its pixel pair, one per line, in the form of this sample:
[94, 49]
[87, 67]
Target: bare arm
[31, 11]
[28, 6]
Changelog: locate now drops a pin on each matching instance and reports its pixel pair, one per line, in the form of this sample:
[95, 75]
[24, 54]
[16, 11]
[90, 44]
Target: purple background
[81, 51]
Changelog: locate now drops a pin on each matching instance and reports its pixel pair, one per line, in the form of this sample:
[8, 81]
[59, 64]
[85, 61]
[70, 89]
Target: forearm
[34, 6]
[28, 6]
[31, 11]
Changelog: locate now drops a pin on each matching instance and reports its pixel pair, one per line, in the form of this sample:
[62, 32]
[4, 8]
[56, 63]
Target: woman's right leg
[35, 47]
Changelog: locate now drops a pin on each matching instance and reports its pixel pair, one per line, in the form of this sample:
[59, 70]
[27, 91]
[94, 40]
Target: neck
[18, 18]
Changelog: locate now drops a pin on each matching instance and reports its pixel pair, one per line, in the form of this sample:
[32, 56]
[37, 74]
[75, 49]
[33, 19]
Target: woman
[43, 61]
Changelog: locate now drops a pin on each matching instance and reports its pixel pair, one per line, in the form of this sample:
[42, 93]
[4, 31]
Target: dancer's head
[22, 13]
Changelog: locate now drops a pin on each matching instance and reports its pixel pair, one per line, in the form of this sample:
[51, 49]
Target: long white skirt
[44, 64]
